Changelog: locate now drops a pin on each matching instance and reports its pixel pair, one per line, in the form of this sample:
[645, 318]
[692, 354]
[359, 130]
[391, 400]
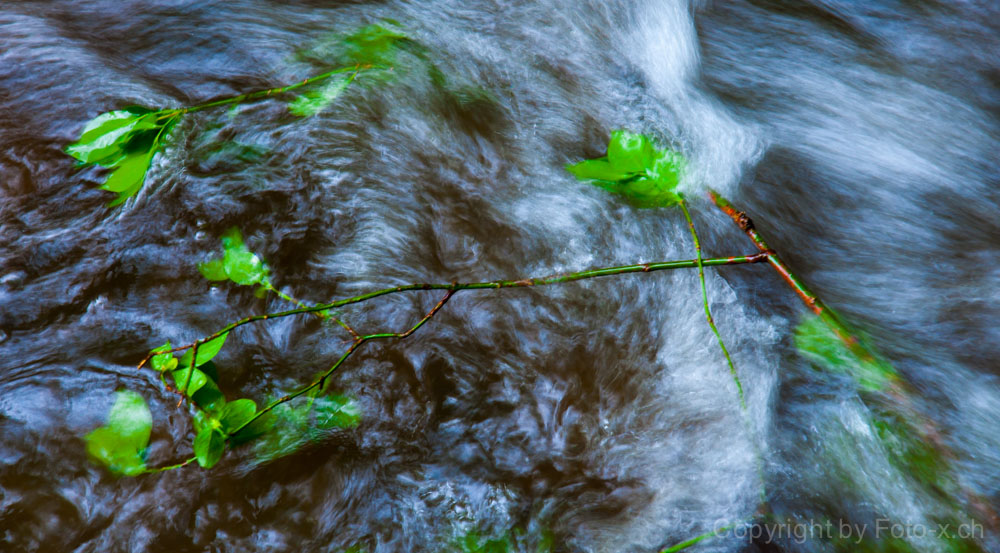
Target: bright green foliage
[236, 413]
[373, 44]
[206, 352]
[297, 425]
[817, 341]
[125, 141]
[189, 384]
[163, 361]
[635, 168]
[121, 444]
[237, 264]
[209, 445]
[315, 101]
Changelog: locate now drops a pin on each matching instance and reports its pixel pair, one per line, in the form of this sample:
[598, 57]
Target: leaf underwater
[121, 444]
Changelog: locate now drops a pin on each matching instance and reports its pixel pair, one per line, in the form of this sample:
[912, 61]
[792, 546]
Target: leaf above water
[206, 352]
[636, 169]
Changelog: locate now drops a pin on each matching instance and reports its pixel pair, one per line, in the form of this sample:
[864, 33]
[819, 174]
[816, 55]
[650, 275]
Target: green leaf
[127, 177]
[209, 397]
[198, 379]
[209, 445]
[819, 343]
[121, 444]
[336, 411]
[213, 270]
[244, 267]
[597, 169]
[629, 152]
[315, 101]
[236, 413]
[206, 351]
[636, 169]
[164, 361]
[372, 45]
[261, 425]
[105, 136]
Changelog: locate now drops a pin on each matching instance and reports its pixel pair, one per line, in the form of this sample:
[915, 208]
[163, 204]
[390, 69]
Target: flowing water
[598, 416]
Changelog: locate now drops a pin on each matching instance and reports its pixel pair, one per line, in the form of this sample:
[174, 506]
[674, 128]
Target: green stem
[172, 467]
[277, 90]
[688, 543]
[708, 311]
[490, 285]
[758, 455]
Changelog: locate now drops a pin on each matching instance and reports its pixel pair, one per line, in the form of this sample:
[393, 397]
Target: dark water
[862, 136]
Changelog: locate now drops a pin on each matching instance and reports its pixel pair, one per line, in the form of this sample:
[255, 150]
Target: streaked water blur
[862, 137]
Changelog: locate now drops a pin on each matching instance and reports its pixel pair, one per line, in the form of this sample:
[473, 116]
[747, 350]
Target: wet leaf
[629, 152]
[597, 169]
[636, 169]
[121, 444]
[213, 270]
[106, 136]
[236, 413]
[238, 263]
[198, 379]
[127, 176]
[209, 445]
[209, 397]
[206, 352]
[244, 267]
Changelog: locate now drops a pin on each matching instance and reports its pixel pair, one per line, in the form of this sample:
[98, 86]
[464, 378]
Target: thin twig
[319, 382]
[490, 285]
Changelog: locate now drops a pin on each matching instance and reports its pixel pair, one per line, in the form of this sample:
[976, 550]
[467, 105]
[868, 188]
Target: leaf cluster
[237, 263]
[635, 168]
[124, 141]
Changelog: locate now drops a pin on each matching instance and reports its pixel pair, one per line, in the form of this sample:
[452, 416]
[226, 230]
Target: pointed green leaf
[597, 169]
[236, 413]
[206, 351]
[209, 397]
[315, 101]
[209, 445]
[213, 270]
[244, 267]
[106, 135]
[629, 152]
[666, 168]
[121, 444]
[198, 379]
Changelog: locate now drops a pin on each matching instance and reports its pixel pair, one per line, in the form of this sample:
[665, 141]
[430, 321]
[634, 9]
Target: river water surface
[596, 416]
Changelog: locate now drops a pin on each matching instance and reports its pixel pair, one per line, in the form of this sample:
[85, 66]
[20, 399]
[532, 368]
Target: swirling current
[596, 416]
